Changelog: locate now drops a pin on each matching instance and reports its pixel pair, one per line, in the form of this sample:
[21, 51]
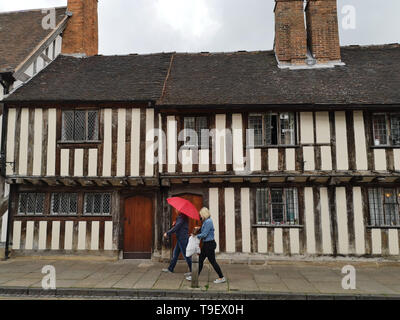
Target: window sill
[383, 227]
[274, 226]
[385, 147]
[287, 146]
[77, 144]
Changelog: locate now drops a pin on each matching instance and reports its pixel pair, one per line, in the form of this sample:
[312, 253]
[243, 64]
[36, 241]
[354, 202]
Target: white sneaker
[222, 280]
[189, 278]
[187, 274]
[166, 270]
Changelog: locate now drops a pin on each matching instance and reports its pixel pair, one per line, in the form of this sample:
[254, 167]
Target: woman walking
[181, 229]
[209, 245]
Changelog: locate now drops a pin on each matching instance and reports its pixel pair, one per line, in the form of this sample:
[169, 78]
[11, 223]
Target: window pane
[395, 128]
[106, 203]
[255, 123]
[291, 206]
[287, 128]
[375, 199]
[39, 203]
[97, 203]
[271, 129]
[55, 203]
[380, 132]
[64, 204]
[80, 125]
[190, 131]
[202, 132]
[68, 126]
[92, 126]
[73, 203]
[277, 205]
[262, 206]
[31, 202]
[88, 203]
[22, 203]
[390, 206]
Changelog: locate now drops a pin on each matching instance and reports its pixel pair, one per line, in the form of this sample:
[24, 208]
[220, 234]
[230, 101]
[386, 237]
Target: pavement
[143, 278]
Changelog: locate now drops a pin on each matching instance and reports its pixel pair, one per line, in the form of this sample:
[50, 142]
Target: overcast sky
[144, 26]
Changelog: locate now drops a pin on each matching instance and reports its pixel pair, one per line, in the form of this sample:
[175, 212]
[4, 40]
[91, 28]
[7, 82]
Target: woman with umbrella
[181, 228]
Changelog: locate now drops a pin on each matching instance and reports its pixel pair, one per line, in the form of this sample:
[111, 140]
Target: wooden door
[198, 203]
[138, 228]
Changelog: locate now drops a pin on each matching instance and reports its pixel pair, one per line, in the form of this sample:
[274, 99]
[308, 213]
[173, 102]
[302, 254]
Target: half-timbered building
[29, 41]
[295, 151]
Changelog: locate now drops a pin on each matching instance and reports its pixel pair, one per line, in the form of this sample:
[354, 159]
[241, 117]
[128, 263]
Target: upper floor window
[277, 206]
[196, 132]
[80, 125]
[386, 129]
[31, 203]
[273, 128]
[384, 206]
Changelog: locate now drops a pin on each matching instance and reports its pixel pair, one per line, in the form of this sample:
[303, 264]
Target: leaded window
[196, 132]
[386, 129]
[384, 206]
[277, 206]
[80, 125]
[64, 203]
[97, 204]
[31, 203]
[273, 128]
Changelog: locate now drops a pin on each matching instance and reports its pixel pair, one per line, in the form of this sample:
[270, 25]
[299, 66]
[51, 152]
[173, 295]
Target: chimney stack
[290, 32]
[81, 34]
[323, 30]
[306, 34]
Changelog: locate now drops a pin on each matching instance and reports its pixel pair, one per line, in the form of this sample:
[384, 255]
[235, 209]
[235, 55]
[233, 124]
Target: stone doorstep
[190, 293]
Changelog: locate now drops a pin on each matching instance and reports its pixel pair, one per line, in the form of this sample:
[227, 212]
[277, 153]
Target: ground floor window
[97, 203]
[64, 203]
[277, 206]
[384, 206]
[31, 203]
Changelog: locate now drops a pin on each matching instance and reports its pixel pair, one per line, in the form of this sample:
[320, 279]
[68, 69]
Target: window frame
[86, 140]
[268, 220]
[26, 213]
[199, 144]
[264, 115]
[375, 219]
[69, 214]
[388, 128]
[102, 214]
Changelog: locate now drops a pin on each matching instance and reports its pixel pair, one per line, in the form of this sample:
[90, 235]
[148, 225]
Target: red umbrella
[184, 206]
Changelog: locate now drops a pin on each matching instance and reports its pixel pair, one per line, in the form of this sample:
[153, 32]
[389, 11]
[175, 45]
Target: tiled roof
[371, 76]
[98, 78]
[20, 33]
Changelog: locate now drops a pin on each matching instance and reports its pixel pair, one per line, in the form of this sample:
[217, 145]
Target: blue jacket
[181, 228]
[207, 231]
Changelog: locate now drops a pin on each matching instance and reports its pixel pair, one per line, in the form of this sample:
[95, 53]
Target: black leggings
[208, 251]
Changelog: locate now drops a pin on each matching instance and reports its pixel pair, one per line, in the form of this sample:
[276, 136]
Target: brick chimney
[306, 34]
[290, 32]
[81, 34]
[323, 30]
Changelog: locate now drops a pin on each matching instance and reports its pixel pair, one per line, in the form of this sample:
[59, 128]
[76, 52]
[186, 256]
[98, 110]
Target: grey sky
[143, 26]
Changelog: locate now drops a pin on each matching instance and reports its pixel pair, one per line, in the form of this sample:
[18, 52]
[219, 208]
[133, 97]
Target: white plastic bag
[193, 246]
